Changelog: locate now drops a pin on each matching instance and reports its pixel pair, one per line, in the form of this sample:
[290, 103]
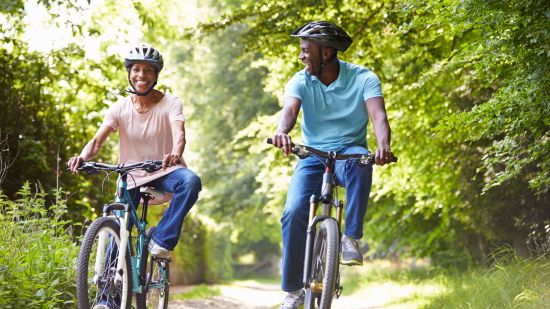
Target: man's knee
[294, 213]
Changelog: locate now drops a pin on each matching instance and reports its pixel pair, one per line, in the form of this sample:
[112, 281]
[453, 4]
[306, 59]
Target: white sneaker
[158, 251]
[293, 299]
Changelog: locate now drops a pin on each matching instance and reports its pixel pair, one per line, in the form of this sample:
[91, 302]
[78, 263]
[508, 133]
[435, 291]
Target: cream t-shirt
[145, 136]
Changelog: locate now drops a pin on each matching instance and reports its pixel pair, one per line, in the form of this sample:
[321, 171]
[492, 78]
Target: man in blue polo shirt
[337, 99]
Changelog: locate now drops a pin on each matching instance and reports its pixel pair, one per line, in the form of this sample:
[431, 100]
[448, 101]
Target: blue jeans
[185, 186]
[307, 180]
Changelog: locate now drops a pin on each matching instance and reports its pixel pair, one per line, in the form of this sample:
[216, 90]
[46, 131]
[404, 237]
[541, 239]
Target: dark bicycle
[321, 263]
[113, 264]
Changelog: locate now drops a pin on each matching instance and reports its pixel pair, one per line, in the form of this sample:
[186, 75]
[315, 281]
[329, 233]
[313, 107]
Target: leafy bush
[37, 253]
[203, 253]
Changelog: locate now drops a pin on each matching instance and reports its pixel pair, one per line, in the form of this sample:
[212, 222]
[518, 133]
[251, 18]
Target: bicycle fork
[104, 241]
[327, 203]
[310, 236]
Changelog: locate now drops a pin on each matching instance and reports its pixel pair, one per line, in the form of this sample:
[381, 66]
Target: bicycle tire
[89, 293]
[324, 266]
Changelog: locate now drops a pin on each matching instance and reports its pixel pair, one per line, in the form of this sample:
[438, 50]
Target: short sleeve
[371, 87]
[293, 88]
[175, 112]
[111, 117]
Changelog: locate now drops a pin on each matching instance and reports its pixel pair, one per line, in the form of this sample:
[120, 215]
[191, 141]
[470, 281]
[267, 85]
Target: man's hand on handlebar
[282, 140]
[384, 156]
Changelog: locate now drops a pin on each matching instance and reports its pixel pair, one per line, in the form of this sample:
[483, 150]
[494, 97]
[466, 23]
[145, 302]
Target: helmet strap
[322, 63]
[133, 90]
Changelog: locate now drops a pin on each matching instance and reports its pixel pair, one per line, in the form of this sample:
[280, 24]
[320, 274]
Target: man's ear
[328, 54]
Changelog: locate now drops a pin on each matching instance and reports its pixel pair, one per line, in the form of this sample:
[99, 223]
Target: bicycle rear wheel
[154, 274]
[157, 294]
[97, 264]
[324, 266]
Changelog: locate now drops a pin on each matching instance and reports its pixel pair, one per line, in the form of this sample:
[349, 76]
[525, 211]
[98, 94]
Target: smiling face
[311, 57]
[143, 76]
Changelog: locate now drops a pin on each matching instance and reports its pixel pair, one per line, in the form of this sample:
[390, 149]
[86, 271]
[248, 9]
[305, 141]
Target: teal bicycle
[113, 264]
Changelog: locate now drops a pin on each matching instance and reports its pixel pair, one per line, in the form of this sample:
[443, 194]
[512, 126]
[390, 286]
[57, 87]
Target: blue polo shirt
[335, 116]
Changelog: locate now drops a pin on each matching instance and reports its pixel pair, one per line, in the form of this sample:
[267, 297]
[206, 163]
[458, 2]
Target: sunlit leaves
[465, 84]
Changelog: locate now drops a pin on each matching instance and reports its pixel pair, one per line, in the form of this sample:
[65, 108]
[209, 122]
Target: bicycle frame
[327, 201]
[125, 212]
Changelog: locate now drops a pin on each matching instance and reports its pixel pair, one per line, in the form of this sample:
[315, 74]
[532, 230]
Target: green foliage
[223, 85]
[38, 256]
[465, 84]
[52, 102]
[203, 253]
[509, 283]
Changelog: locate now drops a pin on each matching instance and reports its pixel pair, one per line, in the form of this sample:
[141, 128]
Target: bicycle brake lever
[366, 160]
[88, 168]
[301, 152]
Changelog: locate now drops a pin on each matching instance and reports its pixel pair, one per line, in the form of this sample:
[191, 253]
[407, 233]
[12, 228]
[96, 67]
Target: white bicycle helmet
[143, 53]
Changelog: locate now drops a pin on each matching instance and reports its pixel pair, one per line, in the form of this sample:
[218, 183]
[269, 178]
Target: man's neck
[330, 72]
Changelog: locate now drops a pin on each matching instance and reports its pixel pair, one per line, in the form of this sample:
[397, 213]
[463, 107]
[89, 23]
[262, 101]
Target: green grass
[198, 292]
[508, 283]
[514, 284]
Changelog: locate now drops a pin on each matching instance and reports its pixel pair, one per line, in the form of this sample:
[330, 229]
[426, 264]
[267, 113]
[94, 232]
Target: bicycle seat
[157, 196]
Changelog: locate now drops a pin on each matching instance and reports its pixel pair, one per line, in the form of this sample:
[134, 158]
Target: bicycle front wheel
[324, 266]
[97, 265]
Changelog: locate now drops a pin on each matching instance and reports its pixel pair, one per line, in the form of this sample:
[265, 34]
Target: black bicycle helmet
[325, 34]
[143, 53]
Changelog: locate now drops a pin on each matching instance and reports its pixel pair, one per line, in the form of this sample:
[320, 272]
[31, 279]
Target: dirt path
[254, 295]
[239, 295]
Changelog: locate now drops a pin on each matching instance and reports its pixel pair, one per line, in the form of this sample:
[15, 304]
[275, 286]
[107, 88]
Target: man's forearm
[286, 122]
[289, 114]
[382, 132]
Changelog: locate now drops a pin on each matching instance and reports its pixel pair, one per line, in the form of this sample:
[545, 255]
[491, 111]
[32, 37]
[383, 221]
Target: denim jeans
[307, 180]
[185, 186]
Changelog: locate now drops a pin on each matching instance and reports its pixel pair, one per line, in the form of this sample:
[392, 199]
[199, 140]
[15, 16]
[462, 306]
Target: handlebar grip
[269, 140]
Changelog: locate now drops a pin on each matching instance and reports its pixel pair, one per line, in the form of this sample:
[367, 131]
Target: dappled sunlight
[387, 284]
[388, 295]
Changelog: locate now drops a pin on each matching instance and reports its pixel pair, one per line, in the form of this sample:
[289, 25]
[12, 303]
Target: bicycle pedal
[338, 291]
[161, 259]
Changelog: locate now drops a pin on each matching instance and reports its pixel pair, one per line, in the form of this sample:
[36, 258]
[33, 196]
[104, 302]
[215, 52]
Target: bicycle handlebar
[303, 151]
[94, 167]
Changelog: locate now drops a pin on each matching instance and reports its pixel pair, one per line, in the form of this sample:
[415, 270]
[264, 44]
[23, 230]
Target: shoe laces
[350, 244]
[292, 299]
